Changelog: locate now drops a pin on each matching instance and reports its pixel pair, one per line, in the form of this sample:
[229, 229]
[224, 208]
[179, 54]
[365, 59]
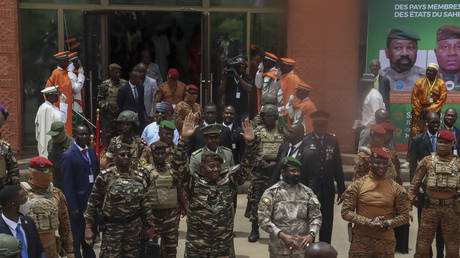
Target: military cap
[52, 90]
[271, 57]
[74, 46]
[269, 109]
[448, 32]
[434, 66]
[212, 129]
[446, 135]
[9, 246]
[380, 153]
[128, 116]
[4, 111]
[192, 89]
[56, 128]
[173, 73]
[304, 86]
[73, 56]
[388, 127]
[61, 55]
[291, 162]
[403, 33]
[367, 78]
[158, 145]
[268, 98]
[166, 124]
[114, 66]
[378, 129]
[40, 163]
[288, 61]
[209, 156]
[162, 106]
[320, 115]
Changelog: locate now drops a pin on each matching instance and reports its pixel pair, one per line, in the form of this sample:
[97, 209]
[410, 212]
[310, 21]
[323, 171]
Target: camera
[232, 64]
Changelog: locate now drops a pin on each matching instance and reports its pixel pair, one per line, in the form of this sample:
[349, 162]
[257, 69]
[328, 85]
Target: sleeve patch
[267, 201]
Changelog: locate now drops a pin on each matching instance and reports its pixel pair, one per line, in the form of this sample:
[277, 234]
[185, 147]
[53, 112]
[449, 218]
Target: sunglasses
[128, 155]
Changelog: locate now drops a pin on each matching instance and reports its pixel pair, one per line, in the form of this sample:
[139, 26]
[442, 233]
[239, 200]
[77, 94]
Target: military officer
[57, 145]
[290, 212]
[48, 208]
[107, 99]
[210, 192]
[441, 204]
[121, 197]
[9, 171]
[128, 122]
[270, 138]
[10, 247]
[324, 166]
[376, 205]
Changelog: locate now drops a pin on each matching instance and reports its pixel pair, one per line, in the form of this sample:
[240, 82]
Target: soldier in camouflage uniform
[9, 171]
[57, 145]
[290, 212]
[271, 98]
[210, 191]
[121, 197]
[107, 100]
[10, 247]
[441, 204]
[139, 150]
[376, 205]
[48, 208]
[270, 138]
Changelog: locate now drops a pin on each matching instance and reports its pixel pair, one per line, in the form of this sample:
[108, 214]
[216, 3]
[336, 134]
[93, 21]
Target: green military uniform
[9, 246]
[107, 99]
[55, 150]
[122, 200]
[9, 171]
[210, 211]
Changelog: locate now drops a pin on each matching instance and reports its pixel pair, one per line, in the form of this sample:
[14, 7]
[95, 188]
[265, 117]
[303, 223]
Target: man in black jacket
[15, 204]
[450, 117]
[236, 140]
[323, 166]
[382, 83]
[131, 97]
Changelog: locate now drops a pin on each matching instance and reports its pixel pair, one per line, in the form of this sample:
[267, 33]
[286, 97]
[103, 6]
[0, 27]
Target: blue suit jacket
[34, 245]
[75, 177]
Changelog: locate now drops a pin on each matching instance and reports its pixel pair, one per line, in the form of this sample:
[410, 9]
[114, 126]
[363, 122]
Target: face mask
[443, 149]
[292, 180]
[24, 208]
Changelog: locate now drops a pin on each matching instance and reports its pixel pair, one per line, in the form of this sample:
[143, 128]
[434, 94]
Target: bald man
[381, 83]
[321, 250]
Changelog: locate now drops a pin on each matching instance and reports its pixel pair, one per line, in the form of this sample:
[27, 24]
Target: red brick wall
[323, 36]
[10, 86]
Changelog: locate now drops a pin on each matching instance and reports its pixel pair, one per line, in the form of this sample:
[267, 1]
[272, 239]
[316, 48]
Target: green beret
[212, 129]
[166, 124]
[403, 33]
[291, 162]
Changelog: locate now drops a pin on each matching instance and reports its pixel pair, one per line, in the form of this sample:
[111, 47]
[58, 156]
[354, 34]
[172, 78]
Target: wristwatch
[313, 234]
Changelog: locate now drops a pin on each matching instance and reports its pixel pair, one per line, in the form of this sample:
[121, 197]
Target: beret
[166, 124]
[380, 153]
[40, 163]
[388, 127]
[446, 135]
[72, 56]
[192, 88]
[291, 162]
[61, 55]
[448, 32]
[271, 56]
[378, 129]
[403, 33]
[173, 73]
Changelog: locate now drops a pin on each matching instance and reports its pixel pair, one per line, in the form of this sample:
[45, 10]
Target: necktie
[20, 236]
[84, 152]
[433, 142]
[136, 98]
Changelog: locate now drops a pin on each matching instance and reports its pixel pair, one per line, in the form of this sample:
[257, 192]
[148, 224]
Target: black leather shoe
[254, 235]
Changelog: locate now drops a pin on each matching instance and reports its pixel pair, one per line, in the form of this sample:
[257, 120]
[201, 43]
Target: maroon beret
[448, 32]
[378, 129]
[446, 135]
[380, 153]
[388, 127]
[40, 163]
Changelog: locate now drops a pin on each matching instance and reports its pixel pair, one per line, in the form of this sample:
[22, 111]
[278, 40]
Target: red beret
[378, 129]
[192, 87]
[40, 163]
[388, 127]
[173, 73]
[446, 135]
[380, 153]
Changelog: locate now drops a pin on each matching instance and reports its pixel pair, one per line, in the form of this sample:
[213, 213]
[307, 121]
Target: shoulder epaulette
[197, 151]
[225, 148]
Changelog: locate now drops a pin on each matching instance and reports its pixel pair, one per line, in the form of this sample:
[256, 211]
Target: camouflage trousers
[167, 229]
[363, 246]
[122, 239]
[49, 244]
[431, 217]
[259, 183]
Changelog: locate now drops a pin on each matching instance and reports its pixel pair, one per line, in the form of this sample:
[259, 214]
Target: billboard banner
[405, 64]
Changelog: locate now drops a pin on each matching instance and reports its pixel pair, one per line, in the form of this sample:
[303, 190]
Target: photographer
[236, 86]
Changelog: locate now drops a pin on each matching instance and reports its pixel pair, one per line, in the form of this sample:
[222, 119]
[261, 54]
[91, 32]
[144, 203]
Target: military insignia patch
[312, 147]
[266, 201]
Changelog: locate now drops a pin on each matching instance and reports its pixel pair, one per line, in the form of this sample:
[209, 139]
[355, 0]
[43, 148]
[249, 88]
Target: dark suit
[283, 152]
[196, 141]
[323, 165]
[237, 142]
[456, 132]
[77, 188]
[126, 101]
[34, 245]
[384, 89]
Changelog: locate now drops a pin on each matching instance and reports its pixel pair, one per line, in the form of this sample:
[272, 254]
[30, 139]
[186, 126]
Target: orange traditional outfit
[172, 96]
[59, 77]
[432, 97]
[307, 107]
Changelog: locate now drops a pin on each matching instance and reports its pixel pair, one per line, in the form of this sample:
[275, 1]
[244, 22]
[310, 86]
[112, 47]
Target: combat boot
[254, 235]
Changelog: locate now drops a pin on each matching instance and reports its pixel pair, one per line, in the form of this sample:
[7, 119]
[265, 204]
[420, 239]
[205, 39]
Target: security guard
[271, 138]
[9, 171]
[323, 165]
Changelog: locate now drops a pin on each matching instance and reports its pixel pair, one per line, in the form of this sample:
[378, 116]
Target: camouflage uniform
[49, 211]
[442, 181]
[9, 171]
[210, 210]
[183, 109]
[292, 209]
[362, 164]
[393, 205]
[140, 152]
[55, 151]
[107, 94]
[122, 201]
[225, 153]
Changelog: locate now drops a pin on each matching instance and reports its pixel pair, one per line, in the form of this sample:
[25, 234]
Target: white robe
[77, 85]
[47, 114]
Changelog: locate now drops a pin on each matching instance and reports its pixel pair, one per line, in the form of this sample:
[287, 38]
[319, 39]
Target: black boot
[254, 235]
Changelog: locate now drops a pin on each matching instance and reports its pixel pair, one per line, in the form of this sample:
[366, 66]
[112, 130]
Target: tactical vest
[43, 209]
[122, 198]
[270, 142]
[112, 93]
[163, 189]
[214, 197]
[443, 176]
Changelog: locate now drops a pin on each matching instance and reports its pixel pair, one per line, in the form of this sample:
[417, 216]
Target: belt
[441, 202]
[122, 220]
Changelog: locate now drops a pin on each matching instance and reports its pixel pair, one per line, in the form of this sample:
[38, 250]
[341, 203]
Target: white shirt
[135, 91]
[294, 150]
[431, 137]
[150, 134]
[230, 126]
[46, 115]
[12, 225]
[77, 85]
[372, 103]
[81, 150]
[150, 88]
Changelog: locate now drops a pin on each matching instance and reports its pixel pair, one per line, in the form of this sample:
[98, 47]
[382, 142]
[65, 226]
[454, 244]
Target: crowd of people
[164, 156]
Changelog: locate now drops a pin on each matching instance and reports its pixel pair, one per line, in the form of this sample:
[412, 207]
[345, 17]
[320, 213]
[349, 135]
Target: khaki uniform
[292, 209]
[140, 152]
[403, 81]
[442, 181]
[225, 153]
[270, 141]
[9, 171]
[362, 164]
[49, 211]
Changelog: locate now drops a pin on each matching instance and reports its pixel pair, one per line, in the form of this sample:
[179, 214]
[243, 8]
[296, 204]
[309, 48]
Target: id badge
[234, 146]
[238, 94]
[431, 100]
[455, 152]
[91, 178]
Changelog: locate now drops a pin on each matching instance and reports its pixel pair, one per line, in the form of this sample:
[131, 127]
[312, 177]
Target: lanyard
[431, 85]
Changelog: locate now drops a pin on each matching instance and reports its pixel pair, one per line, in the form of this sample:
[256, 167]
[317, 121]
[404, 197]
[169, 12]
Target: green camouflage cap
[212, 129]
[268, 98]
[9, 245]
[291, 162]
[269, 109]
[403, 32]
[56, 128]
[128, 116]
[166, 124]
